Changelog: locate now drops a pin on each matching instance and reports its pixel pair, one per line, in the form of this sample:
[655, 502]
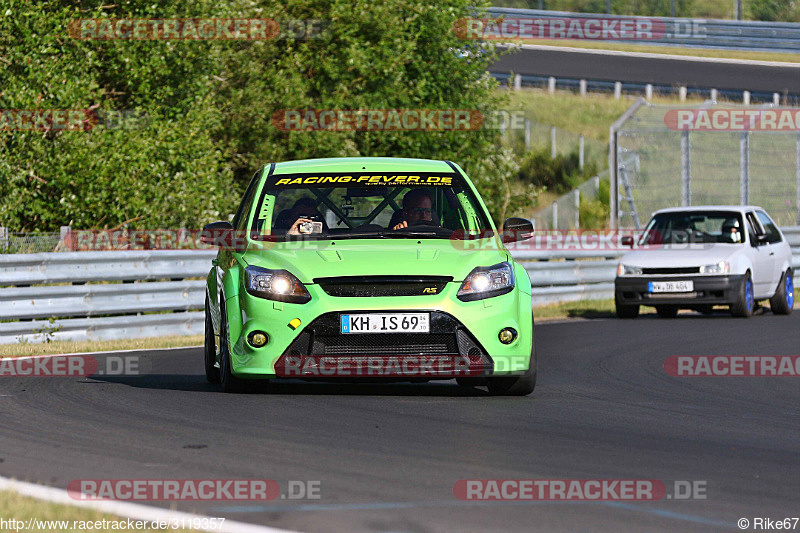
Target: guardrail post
[617, 90]
[527, 134]
[553, 142]
[682, 93]
[583, 87]
[686, 169]
[776, 99]
[746, 97]
[744, 168]
[517, 82]
[551, 85]
[648, 91]
[714, 95]
[581, 147]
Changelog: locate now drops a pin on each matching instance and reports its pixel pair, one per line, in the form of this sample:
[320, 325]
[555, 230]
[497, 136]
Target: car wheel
[667, 311]
[514, 385]
[745, 302]
[230, 383]
[783, 300]
[210, 348]
[627, 311]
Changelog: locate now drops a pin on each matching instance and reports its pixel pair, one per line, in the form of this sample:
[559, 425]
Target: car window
[677, 227]
[753, 229]
[773, 235]
[240, 220]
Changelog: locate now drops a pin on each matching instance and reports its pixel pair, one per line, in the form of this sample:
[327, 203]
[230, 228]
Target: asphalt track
[648, 68]
[387, 456]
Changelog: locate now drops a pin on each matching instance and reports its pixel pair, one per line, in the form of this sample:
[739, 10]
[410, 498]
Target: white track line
[648, 55]
[125, 509]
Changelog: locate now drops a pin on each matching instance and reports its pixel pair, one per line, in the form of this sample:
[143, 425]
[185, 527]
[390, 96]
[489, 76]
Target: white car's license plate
[670, 286]
[386, 323]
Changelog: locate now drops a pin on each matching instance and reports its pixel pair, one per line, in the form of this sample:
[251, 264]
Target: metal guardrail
[152, 293]
[719, 34]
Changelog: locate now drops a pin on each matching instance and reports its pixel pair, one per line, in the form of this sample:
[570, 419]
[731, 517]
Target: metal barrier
[154, 293]
[699, 33]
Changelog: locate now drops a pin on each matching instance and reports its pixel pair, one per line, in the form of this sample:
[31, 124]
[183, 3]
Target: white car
[699, 257]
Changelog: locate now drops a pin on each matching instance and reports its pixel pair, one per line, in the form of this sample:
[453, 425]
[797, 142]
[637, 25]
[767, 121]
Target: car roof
[695, 208]
[355, 164]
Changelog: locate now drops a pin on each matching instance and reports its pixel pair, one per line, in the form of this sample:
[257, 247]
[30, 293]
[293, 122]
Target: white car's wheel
[783, 300]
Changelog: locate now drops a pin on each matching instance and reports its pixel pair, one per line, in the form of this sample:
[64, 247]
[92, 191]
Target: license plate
[386, 323]
[670, 286]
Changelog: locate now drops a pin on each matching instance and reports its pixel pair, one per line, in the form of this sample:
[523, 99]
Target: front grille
[447, 336]
[370, 286]
[675, 270]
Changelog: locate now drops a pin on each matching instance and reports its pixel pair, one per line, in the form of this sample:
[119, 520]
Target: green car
[376, 269]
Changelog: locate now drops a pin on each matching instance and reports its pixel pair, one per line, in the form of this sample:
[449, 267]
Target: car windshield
[374, 205]
[703, 227]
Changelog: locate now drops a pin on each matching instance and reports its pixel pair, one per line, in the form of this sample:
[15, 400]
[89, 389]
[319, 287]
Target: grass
[24, 508]
[57, 347]
[783, 57]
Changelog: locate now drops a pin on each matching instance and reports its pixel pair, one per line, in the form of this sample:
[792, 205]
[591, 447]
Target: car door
[763, 263]
[774, 246]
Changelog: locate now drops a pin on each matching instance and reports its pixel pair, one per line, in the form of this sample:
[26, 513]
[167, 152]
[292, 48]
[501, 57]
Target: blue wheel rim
[748, 289]
[789, 290]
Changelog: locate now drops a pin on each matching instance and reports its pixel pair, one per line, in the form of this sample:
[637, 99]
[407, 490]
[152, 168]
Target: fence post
[776, 99]
[744, 168]
[555, 215]
[583, 87]
[686, 169]
[517, 82]
[746, 97]
[551, 85]
[617, 90]
[797, 156]
[682, 93]
[65, 237]
[553, 142]
[648, 91]
[527, 134]
[4, 231]
[577, 208]
[581, 146]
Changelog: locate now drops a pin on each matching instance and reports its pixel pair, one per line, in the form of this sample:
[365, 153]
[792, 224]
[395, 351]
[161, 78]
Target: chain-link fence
[559, 141]
[729, 154]
[569, 211]
[28, 243]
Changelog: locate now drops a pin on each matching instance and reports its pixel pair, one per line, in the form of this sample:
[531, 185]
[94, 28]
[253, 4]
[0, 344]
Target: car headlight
[486, 282]
[723, 267]
[278, 285]
[627, 270]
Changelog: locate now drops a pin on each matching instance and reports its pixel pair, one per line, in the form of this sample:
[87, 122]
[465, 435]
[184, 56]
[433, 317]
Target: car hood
[372, 257]
[681, 256]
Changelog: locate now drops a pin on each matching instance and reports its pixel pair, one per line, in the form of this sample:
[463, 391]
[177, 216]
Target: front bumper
[708, 290]
[466, 329]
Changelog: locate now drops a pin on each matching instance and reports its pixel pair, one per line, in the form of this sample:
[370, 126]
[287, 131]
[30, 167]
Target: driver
[417, 209]
[730, 230]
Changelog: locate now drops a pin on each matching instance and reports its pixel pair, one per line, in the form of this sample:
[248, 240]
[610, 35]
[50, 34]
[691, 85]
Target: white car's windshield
[703, 227]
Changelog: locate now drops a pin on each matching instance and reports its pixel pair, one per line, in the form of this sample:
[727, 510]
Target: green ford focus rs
[359, 269]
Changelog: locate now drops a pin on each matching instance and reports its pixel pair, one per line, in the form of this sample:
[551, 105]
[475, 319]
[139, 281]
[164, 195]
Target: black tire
[744, 305]
[210, 349]
[627, 311]
[782, 301]
[230, 383]
[667, 311]
[514, 385]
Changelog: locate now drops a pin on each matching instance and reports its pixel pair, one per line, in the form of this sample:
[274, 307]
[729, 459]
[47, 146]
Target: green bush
[560, 174]
[594, 213]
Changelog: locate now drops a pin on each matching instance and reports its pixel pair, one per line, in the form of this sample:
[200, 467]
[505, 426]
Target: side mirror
[217, 234]
[627, 240]
[762, 239]
[517, 229]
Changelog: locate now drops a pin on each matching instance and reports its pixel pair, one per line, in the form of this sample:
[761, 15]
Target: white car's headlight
[723, 267]
[627, 270]
[279, 285]
[485, 282]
